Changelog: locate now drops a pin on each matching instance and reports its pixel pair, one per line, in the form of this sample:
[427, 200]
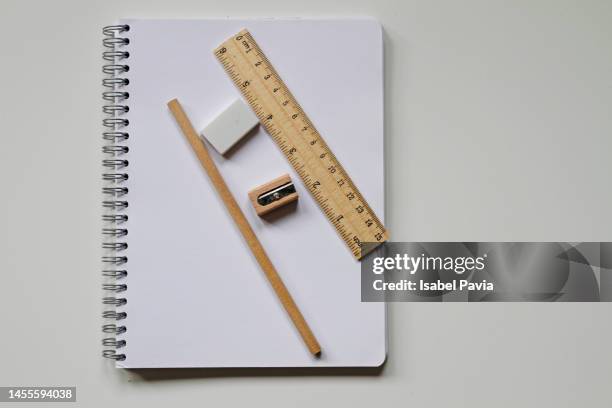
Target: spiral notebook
[182, 288]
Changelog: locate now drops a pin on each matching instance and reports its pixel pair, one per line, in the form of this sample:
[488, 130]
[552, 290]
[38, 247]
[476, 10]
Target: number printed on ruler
[301, 143]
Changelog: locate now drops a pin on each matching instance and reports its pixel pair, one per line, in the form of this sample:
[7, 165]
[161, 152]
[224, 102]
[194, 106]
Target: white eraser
[230, 126]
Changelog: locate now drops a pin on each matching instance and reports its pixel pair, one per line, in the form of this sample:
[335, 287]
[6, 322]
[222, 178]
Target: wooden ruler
[301, 143]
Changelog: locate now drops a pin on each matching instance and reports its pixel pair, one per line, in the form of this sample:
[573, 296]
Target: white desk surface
[498, 128]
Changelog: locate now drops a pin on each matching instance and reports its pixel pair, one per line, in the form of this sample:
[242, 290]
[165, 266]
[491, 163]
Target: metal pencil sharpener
[273, 195]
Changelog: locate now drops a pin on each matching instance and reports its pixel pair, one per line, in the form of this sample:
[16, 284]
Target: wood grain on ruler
[301, 143]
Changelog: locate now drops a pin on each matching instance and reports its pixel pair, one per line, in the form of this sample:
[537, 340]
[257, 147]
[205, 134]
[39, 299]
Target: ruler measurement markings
[305, 125]
[308, 125]
[308, 152]
[278, 85]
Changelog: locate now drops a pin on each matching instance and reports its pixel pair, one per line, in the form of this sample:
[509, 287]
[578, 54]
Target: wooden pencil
[245, 228]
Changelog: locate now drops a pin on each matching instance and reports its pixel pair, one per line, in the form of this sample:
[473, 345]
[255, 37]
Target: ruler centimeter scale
[287, 123]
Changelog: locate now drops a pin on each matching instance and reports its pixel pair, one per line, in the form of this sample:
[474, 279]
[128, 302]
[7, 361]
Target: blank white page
[196, 296]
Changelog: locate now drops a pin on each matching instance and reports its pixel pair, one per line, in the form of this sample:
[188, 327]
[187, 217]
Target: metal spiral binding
[114, 192]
